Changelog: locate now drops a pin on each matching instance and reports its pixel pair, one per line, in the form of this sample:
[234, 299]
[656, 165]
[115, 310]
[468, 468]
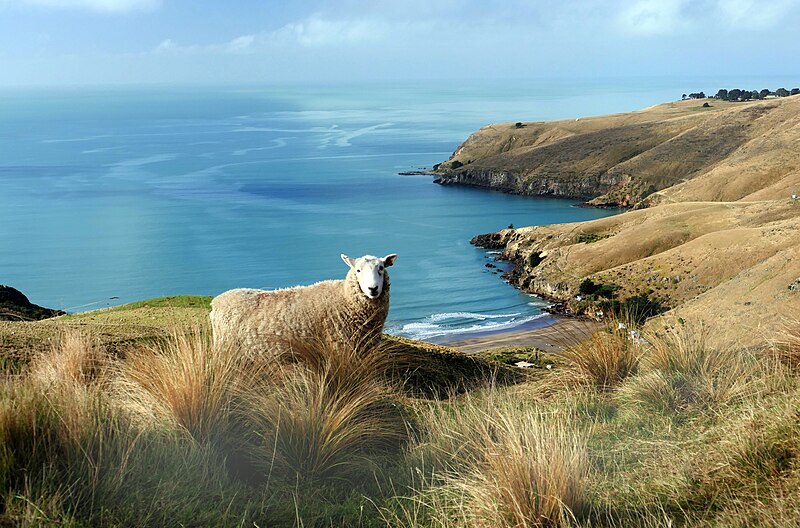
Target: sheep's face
[370, 272]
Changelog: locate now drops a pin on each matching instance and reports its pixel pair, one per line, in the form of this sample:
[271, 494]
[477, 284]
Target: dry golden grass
[317, 414]
[727, 264]
[491, 461]
[324, 428]
[62, 389]
[184, 383]
[75, 358]
[680, 370]
[676, 151]
[786, 347]
[536, 475]
[323, 412]
[607, 357]
[313, 428]
[56, 429]
[335, 419]
[746, 472]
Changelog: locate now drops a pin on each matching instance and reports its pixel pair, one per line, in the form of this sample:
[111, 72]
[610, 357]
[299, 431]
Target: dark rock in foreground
[14, 306]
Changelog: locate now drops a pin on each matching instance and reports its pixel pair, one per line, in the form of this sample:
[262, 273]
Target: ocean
[111, 195]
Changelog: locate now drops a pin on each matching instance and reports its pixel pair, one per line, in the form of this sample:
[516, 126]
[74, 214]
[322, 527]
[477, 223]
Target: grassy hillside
[714, 234]
[670, 431]
[425, 368]
[677, 151]
[730, 265]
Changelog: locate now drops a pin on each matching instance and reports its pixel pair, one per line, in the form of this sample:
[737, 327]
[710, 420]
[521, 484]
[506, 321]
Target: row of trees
[744, 95]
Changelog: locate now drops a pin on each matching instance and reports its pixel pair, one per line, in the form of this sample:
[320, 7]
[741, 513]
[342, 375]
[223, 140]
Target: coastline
[552, 333]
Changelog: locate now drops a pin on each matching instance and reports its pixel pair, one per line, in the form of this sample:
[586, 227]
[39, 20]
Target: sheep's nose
[373, 290]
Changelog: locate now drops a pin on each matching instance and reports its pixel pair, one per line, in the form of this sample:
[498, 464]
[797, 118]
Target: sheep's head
[370, 272]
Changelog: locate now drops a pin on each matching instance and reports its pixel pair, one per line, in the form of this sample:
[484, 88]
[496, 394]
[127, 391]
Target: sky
[99, 42]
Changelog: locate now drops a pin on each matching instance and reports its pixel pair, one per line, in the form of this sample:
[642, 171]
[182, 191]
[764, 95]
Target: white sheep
[350, 312]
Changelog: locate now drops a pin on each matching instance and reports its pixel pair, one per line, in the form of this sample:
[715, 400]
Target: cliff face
[671, 152]
[714, 236]
[510, 182]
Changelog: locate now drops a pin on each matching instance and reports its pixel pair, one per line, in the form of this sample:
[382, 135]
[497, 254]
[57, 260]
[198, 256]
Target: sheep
[349, 312]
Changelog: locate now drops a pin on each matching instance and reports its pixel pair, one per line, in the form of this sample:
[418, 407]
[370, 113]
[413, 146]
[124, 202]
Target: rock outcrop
[14, 306]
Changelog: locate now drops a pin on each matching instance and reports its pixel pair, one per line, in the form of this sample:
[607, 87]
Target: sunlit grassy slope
[665, 430]
[677, 151]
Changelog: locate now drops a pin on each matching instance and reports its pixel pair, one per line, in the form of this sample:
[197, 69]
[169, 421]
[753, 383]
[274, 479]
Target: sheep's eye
[381, 268]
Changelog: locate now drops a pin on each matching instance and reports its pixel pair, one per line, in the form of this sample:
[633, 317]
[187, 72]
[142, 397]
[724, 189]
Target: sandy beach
[559, 333]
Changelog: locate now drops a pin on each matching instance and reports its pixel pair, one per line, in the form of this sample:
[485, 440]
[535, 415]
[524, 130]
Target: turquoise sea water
[113, 195]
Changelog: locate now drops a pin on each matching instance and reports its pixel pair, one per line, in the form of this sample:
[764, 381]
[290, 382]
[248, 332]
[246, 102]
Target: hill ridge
[630, 159]
[717, 241]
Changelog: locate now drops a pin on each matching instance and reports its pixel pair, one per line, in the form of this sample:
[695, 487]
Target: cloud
[749, 14]
[312, 32]
[101, 6]
[318, 31]
[653, 17]
[242, 44]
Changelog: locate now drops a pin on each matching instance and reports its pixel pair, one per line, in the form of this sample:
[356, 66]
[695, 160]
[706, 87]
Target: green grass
[513, 354]
[175, 301]
[589, 238]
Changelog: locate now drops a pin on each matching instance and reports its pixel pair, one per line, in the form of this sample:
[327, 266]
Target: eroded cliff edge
[717, 244]
[679, 151]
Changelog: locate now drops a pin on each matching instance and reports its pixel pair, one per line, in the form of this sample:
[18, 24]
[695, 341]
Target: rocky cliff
[678, 151]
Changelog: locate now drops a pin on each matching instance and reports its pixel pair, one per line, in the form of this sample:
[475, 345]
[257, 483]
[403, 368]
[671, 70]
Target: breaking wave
[454, 323]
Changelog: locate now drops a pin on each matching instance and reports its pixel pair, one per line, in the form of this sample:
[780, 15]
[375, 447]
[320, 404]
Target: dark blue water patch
[320, 192]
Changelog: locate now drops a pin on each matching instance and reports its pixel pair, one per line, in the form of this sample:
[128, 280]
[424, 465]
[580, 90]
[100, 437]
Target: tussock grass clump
[755, 452]
[76, 357]
[312, 432]
[494, 462]
[71, 458]
[328, 416]
[607, 357]
[185, 383]
[85, 443]
[744, 469]
[56, 408]
[320, 413]
[787, 347]
[681, 371]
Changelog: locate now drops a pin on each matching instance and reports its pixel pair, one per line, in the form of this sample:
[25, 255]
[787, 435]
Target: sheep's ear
[388, 260]
[347, 260]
